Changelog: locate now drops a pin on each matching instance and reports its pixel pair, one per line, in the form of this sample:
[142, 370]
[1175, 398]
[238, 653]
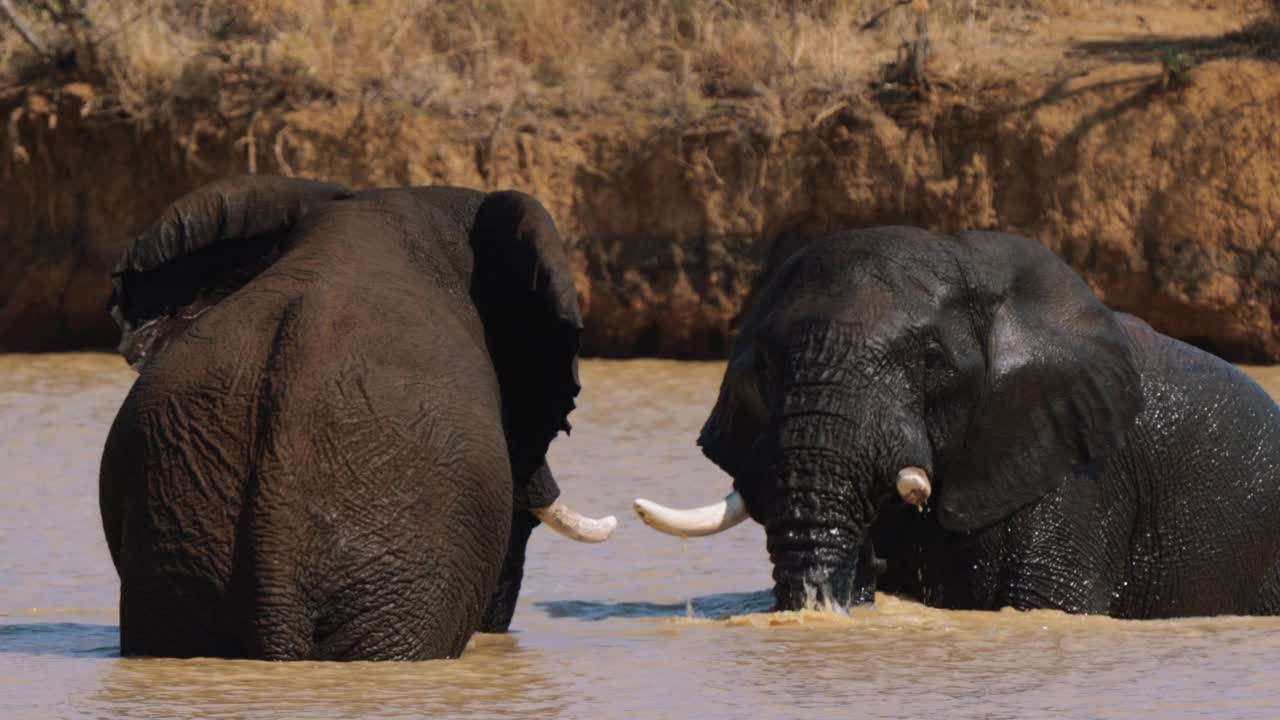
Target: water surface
[602, 631]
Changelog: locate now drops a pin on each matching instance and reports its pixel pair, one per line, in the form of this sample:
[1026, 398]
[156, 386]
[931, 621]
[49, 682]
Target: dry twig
[278, 149]
[875, 19]
[6, 7]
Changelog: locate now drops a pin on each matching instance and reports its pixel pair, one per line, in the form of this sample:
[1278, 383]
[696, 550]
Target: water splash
[818, 595]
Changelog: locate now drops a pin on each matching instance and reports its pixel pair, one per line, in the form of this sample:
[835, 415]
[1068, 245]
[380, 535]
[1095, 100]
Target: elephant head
[892, 365]
[215, 240]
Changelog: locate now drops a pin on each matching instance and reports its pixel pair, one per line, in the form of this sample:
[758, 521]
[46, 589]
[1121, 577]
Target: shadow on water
[713, 607]
[64, 639]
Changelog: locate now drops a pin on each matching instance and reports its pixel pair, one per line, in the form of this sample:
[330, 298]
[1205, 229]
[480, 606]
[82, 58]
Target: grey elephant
[336, 445]
[1065, 456]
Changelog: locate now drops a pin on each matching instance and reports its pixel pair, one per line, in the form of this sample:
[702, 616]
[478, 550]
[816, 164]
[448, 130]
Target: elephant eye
[935, 358]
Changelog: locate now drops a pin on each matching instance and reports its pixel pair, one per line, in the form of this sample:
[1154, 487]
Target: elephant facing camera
[969, 409]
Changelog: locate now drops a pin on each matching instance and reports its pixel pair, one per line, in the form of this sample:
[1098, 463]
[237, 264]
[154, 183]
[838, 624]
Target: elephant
[335, 448]
[961, 421]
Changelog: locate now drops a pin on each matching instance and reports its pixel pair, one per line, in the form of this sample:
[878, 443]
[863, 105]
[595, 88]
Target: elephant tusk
[569, 523]
[695, 522]
[913, 485]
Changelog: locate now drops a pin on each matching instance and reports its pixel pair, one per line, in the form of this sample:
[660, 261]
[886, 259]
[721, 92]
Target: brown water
[601, 631]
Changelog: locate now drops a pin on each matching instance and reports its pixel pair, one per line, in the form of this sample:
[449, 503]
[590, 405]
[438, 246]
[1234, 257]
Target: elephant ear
[1060, 389]
[524, 292]
[740, 413]
[204, 246]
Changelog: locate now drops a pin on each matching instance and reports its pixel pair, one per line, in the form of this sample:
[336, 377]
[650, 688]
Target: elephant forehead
[873, 307]
[877, 300]
[865, 271]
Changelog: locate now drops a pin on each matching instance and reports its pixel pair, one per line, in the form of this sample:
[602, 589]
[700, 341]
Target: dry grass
[164, 60]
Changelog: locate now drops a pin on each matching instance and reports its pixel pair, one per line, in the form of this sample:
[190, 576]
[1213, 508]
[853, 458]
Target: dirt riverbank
[1141, 142]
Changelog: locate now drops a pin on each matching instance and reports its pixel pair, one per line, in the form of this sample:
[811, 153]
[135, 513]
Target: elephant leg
[168, 617]
[497, 617]
[165, 612]
[1061, 553]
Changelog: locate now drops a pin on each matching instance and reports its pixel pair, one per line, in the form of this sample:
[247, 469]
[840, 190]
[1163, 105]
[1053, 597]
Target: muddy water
[601, 631]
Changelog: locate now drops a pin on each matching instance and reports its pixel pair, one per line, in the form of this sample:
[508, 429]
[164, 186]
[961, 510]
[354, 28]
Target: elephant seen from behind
[336, 445]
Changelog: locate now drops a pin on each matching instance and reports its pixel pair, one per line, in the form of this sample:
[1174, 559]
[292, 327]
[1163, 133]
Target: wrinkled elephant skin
[960, 420]
[337, 438]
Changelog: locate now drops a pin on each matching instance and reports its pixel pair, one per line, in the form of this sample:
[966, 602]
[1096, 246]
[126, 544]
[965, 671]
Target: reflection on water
[640, 626]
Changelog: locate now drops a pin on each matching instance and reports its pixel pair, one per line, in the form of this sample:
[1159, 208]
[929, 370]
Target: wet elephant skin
[1078, 460]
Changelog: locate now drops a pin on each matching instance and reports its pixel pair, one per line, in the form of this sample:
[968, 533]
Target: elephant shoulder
[1189, 391]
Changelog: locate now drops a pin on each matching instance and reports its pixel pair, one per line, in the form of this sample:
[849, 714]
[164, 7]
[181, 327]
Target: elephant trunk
[815, 536]
[839, 453]
[819, 514]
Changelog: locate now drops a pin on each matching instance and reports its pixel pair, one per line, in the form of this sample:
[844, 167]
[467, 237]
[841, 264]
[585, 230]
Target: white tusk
[695, 522]
[567, 522]
[913, 485]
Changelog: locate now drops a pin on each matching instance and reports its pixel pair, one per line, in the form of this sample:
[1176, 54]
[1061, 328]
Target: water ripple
[713, 607]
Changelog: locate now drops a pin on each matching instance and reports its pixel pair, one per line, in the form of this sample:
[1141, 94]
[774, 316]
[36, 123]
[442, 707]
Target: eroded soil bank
[1163, 191]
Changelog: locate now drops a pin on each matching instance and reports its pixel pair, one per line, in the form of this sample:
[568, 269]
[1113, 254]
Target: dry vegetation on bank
[161, 62]
[678, 143]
